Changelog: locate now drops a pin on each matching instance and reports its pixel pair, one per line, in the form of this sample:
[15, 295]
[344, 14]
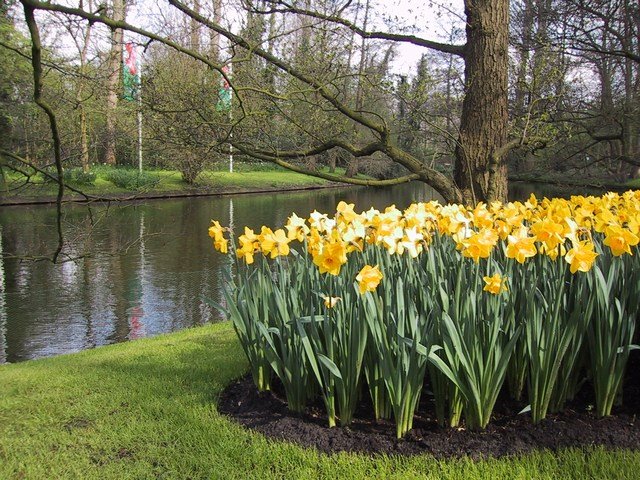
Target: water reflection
[150, 265]
[522, 190]
[3, 311]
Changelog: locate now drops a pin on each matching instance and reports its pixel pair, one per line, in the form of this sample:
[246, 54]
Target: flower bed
[533, 297]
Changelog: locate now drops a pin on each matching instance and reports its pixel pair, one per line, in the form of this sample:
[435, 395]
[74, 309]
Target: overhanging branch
[36, 61]
[326, 176]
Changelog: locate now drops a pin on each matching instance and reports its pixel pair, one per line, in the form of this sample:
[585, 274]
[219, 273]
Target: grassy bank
[116, 182]
[635, 183]
[565, 181]
[147, 409]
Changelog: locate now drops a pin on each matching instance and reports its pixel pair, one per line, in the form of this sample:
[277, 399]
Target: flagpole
[139, 61]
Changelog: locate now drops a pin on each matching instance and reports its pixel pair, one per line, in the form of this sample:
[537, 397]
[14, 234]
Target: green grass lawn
[635, 183]
[244, 178]
[147, 409]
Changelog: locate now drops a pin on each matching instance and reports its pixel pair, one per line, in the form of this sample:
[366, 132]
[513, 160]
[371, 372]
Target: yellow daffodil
[314, 241]
[297, 228]
[454, 219]
[521, 246]
[331, 257]
[502, 228]
[532, 203]
[345, 212]
[482, 218]
[274, 243]
[420, 216]
[581, 257]
[512, 213]
[619, 240]
[480, 245]
[248, 244]
[553, 252]
[369, 278]
[495, 284]
[633, 224]
[602, 220]
[549, 233]
[331, 302]
[550, 227]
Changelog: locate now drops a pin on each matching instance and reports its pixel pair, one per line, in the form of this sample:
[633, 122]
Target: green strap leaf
[329, 365]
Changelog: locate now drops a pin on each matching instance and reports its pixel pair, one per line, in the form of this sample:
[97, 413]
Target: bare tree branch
[280, 6]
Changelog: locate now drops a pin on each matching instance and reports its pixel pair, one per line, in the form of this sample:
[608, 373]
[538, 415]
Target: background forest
[320, 86]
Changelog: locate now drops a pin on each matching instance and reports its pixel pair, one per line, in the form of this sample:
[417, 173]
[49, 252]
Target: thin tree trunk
[354, 162]
[113, 83]
[523, 63]
[541, 58]
[84, 142]
[3, 181]
[629, 124]
[448, 100]
[270, 70]
[195, 28]
[214, 37]
[27, 140]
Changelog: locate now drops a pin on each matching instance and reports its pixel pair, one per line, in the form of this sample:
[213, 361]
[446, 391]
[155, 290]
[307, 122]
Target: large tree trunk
[113, 84]
[481, 173]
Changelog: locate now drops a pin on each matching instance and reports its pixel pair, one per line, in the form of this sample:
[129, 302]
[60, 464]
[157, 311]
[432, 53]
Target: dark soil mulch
[508, 433]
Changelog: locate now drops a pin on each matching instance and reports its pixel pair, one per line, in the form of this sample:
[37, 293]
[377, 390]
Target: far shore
[217, 183]
[153, 195]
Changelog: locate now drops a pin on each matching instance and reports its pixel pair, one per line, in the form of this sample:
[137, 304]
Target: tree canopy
[527, 85]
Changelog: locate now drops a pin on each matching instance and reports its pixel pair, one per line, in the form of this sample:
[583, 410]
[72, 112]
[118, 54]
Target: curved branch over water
[36, 62]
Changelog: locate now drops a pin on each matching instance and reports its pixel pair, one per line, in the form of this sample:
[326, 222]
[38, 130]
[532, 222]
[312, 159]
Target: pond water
[142, 269]
[148, 268]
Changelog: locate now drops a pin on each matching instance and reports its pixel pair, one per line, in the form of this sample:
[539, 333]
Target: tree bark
[630, 119]
[195, 29]
[354, 163]
[480, 174]
[84, 141]
[524, 48]
[214, 37]
[113, 83]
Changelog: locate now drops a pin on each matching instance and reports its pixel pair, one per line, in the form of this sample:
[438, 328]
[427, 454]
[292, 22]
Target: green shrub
[70, 175]
[50, 174]
[79, 177]
[132, 179]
